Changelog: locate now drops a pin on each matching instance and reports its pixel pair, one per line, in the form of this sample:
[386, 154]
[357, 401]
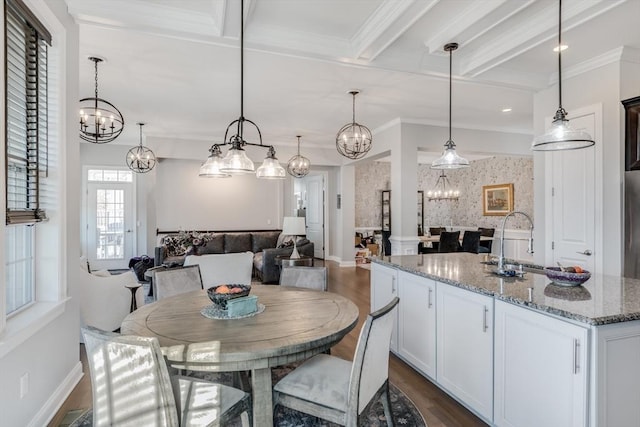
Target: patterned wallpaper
[467, 211]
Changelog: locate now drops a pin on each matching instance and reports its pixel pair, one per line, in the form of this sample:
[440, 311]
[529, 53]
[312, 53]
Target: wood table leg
[262, 397]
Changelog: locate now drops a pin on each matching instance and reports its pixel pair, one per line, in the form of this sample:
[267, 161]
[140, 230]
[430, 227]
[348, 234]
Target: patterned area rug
[404, 411]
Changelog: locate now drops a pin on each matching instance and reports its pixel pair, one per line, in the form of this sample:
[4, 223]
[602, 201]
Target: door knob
[587, 252]
[128, 231]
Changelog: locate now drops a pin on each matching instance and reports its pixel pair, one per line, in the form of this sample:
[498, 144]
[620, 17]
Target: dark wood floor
[437, 407]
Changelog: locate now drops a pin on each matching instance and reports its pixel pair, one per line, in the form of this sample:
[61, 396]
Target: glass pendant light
[298, 166]
[211, 167]
[450, 159]
[561, 136]
[271, 168]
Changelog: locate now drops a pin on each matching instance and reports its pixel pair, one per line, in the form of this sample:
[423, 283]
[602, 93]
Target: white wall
[48, 349]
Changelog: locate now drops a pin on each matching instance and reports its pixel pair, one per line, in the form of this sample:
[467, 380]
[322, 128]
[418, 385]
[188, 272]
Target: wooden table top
[296, 323]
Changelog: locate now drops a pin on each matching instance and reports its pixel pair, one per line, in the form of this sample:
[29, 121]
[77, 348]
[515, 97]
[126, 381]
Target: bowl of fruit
[220, 294]
[567, 276]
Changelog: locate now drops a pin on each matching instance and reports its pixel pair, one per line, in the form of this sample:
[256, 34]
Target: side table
[133, 287]
[286, 261]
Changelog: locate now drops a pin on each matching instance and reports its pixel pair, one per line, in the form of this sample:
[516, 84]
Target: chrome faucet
[504, 222]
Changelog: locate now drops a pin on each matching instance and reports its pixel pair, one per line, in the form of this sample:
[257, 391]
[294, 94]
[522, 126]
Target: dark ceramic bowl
[220, 299]
[564, 278]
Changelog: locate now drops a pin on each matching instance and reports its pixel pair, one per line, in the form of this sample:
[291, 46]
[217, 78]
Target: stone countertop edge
[573, 312]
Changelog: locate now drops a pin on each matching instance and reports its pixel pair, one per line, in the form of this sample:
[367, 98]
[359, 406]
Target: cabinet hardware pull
[485, 326]
[393, 285]
[430, 292]
[576, 356]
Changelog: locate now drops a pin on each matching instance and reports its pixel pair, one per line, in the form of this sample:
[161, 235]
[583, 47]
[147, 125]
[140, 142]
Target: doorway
[109, 218]
[310, 192]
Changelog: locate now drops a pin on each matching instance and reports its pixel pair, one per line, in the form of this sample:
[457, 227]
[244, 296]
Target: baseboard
[332, 258]
[54, 403]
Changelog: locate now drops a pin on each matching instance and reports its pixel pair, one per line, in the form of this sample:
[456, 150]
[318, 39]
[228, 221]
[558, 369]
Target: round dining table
[295, 324]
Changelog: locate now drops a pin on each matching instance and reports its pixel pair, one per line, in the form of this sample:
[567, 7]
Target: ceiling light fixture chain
[353, 139]
[298, 166]
[141, 159]
[236, 160]
[94, 113]
[450, 158]
[561, 136]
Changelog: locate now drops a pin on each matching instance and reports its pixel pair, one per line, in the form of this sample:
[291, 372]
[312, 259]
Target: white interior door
[573, 201]
[314, 206]
[110, 224]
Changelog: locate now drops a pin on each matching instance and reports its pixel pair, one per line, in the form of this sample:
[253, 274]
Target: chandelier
[353, 140]
[236, 160]
[100, 120]
[441, 192]
[298, 166]
[450, 159]
[141, 159]
[561, 136]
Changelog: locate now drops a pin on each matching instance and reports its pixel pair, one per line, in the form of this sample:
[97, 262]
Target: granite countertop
[599, 301]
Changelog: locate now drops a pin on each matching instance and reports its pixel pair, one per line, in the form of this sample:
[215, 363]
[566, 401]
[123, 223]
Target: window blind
[26, 113]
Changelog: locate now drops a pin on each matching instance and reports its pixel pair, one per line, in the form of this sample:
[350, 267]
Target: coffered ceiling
[175, 64]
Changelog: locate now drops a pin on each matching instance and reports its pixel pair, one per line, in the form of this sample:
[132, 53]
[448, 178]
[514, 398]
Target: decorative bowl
[565, 278]
[219, 297]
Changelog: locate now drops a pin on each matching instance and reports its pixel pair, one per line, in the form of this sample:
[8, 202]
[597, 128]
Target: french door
[110, 231]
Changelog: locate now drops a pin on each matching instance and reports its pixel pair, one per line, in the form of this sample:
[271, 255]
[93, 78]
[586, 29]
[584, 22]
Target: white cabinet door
[417, 322]
[540, 369]
[384, 287]
[465, 347]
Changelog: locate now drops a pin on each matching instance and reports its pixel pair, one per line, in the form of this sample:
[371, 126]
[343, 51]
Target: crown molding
[619, 54]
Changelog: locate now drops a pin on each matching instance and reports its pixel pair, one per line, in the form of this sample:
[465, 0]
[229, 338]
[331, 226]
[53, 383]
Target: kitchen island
[517, 351]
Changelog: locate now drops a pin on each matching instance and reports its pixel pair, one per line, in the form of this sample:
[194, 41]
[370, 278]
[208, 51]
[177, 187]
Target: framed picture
[497, 199]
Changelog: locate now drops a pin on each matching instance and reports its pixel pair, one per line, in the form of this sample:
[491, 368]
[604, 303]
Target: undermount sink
[510, 270]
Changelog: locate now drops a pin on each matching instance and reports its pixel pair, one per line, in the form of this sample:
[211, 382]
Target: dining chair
[131, 386]
[449, 241]
[471, 241]
[174, 281]
[434, 231]
[485, 246]
[340, 391]
[304, 277]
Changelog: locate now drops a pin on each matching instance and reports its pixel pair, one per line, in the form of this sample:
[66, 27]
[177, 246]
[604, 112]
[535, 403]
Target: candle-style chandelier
[141, 159]
[441, 192]
[100, 120]
[353, 139]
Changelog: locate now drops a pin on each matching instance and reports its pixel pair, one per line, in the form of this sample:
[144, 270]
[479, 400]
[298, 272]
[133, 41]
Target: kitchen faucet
[504, 222]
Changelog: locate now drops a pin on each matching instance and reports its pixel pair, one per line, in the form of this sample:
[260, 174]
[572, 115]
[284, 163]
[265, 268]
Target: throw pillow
[286, 243]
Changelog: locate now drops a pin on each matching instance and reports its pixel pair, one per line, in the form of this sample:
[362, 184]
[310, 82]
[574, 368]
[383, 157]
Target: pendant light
[561, 136]
[100, 120]
[353, 139]
[450, 159]
[236, 160]
[440, 191]
[298, 166]
[211, 167]
[141, 159]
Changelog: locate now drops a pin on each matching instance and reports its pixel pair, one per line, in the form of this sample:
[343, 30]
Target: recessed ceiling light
[560, 48]
[506, 110]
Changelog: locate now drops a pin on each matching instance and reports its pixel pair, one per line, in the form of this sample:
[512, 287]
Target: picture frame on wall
[497, 199]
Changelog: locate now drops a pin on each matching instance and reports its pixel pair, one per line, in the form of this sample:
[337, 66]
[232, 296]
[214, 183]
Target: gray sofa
[265, 245]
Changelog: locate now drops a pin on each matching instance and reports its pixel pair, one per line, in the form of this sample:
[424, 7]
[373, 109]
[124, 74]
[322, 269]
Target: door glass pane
[110, 224]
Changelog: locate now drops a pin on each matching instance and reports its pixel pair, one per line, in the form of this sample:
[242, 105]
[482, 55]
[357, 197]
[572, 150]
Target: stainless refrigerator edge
[632, 224]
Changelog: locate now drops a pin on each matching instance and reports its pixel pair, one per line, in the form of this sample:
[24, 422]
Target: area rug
[404, 411]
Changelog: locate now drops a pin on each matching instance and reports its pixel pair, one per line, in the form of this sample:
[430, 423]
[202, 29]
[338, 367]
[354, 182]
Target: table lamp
[294, 226]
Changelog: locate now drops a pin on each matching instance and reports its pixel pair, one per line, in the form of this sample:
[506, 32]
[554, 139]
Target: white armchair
[104, 300]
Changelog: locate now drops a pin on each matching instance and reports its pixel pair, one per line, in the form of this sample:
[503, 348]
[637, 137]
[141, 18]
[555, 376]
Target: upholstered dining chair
[304, 277]
[485, 246]
[471, 241]
[131, 386]
[449, 241]
[174, 281]
[340, 391]
[435, 231]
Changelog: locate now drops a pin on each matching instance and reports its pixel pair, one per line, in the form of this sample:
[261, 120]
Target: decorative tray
[215, 312]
